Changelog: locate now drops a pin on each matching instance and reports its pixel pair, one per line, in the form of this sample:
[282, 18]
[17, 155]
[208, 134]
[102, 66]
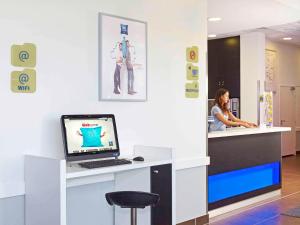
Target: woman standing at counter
[222, 116]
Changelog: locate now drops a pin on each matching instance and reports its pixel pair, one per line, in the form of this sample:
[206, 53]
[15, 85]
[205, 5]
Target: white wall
[287, 70]
[252, 70]
[288, 62]
[65, 33]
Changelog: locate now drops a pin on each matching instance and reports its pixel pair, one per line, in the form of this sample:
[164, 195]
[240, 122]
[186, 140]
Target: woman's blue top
[217, 125]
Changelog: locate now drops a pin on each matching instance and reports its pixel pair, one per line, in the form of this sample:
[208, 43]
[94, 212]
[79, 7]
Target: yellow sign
[192, 90]
[23, 81]
[192, 72]
[23, 55]
[269, 108]
[192, 54]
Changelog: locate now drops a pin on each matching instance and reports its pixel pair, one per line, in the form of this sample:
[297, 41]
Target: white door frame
[294, 127]
[295, 86]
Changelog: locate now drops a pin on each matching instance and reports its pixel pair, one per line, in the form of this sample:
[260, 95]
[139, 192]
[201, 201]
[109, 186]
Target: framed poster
[122, 59]
[270, 70]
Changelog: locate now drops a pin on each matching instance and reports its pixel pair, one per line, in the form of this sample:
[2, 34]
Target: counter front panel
[243, 167]
[238, 152]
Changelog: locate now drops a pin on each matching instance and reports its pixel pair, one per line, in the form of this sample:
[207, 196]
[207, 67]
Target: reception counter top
[246, 131]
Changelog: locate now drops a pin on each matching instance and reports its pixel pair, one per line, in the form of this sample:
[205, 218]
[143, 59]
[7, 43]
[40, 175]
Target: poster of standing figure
[122, 59]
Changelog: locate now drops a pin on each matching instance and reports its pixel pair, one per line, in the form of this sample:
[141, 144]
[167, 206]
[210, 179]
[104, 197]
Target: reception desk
[244, 164]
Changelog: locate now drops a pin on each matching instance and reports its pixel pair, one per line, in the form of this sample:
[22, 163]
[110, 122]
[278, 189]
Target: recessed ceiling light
[287, 38]
[212, 35]
[214, 19]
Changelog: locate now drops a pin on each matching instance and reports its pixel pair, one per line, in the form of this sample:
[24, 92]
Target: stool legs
[133, 216]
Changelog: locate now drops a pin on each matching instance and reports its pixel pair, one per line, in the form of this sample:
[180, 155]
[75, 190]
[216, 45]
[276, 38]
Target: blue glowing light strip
[233, 183]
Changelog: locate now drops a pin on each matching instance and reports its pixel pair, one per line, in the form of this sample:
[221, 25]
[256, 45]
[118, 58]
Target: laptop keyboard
[104, 163]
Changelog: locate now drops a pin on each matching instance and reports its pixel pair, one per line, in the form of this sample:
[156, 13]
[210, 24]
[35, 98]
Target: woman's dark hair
[218, 102]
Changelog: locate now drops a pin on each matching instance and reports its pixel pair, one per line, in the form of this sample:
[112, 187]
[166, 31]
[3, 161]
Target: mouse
[138, 158]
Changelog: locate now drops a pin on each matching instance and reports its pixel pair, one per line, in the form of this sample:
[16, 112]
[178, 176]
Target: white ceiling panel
[242, 15]
[277, 33]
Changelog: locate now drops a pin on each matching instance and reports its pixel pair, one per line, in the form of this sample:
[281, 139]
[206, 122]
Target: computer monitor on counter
[89, 136]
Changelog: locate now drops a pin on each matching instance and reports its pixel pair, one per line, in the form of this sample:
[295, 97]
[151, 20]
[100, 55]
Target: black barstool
[132, 200]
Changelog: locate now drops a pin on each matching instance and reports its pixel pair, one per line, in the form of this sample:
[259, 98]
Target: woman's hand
[245, 124]
[252, 124]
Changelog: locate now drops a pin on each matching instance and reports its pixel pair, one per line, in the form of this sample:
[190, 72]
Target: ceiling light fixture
[212, 35]
[287, 38]
[214, 19]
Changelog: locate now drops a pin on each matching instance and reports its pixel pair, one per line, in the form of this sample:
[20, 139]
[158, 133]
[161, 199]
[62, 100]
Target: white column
[252, 70]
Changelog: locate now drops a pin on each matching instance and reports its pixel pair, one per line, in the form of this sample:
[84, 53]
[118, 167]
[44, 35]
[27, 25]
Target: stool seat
[132, 199]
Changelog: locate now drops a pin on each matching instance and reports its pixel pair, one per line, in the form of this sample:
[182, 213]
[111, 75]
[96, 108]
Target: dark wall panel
[224, 66]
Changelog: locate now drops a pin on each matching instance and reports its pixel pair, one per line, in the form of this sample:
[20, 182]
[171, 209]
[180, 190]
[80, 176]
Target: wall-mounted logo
[192, 90]
[124, 29]
[23, 81]
[192, 72]
[23, 78]
[192, 54]
[23, 55]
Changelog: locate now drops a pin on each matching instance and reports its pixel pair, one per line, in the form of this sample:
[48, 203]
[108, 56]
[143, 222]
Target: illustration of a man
[117, 77]
[129, 70]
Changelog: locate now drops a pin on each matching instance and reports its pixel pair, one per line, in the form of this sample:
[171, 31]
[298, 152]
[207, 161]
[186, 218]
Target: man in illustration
[129, 69]
[119, 62]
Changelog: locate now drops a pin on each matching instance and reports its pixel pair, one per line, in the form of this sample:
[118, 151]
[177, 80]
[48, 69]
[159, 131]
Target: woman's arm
[233, 118]
[230, 123]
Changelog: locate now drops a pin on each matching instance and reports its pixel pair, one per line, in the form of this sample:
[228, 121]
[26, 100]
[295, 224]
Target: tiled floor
[269, 212]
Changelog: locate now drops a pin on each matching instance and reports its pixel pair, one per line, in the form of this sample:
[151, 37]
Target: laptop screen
[89, 136]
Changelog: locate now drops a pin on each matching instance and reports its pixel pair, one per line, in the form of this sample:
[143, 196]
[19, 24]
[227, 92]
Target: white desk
[57, 194]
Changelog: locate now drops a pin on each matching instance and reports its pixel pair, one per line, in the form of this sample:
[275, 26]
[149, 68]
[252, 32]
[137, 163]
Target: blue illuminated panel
[229, 184]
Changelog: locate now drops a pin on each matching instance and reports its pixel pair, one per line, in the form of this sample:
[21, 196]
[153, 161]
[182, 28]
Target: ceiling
[276, 18]
[277, 33]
